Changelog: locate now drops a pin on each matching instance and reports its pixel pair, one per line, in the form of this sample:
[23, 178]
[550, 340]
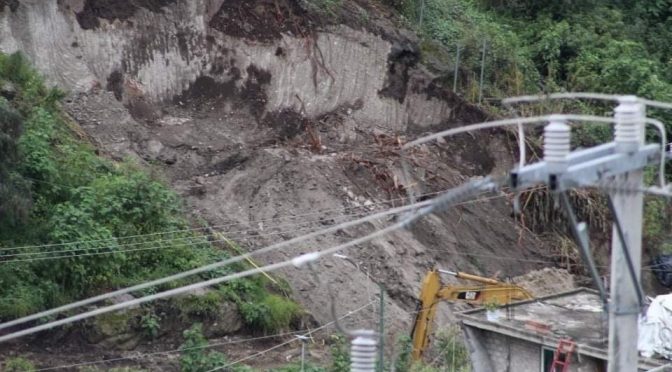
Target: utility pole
[621, 164]
[624, 306]
[381, 348]
[303, 340]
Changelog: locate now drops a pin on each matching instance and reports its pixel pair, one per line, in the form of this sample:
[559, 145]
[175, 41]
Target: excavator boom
[432, 291]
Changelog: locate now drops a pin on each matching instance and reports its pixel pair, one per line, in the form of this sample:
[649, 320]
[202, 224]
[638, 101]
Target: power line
[212, 266]
[505, 122]
[454, 195]
[306, 331]
[191, 244]
[205, 240]
[314, 212]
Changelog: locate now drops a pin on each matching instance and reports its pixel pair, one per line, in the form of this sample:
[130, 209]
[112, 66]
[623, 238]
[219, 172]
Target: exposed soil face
[402, 58]
[298, 127]
[89, 17]
[205, 89]
[115, 84]
[13, 5]
[262, 20]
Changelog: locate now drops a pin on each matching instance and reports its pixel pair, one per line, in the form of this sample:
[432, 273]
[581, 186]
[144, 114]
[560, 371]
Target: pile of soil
[546, 281]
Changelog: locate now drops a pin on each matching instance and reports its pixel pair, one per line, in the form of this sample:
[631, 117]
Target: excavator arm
[432, 292]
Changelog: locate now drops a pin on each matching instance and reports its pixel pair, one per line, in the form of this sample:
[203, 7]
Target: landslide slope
[257, 111]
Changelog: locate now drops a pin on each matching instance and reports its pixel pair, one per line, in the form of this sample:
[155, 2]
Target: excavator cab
[433, 291]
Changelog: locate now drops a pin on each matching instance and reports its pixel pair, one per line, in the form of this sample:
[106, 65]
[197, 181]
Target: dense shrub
[87, 224]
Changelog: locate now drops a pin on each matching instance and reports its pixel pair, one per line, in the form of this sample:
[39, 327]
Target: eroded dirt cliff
[260, 110]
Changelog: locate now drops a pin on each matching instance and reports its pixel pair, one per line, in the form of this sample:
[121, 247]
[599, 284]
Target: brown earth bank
[272, 120]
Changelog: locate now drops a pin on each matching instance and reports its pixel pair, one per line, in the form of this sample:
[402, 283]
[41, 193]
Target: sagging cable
[580, 232]
[626, 252]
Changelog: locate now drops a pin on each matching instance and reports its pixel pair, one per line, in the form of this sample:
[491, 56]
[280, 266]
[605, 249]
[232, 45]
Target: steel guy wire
[293, 340]
[486, 125]
[205, 242]
[454, 195]
[569, 95]
[211, 227]
[211, 345]
[314, 212]
[214, 265]
[205, 239]
[507, 122]
[308, 333]
[598, 96]
[254, 355]
[584, 95]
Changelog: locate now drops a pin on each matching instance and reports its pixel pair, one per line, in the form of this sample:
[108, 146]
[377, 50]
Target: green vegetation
[447, 354]
[195, 357]
[55, 189]
[18, 364]
[150, 324]
[533, 47]
[604, 46]
[273, 313]
[340, 355]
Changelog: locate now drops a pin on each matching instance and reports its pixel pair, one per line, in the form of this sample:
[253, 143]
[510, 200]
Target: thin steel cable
[663, 142]
[307, 228]
[455, 195]
[577, 95]
[626, 252]
[205, 239]
[211, 227]
[507, 122]
[306, 331]
[583, 95]
[314, 212]
[213, 265]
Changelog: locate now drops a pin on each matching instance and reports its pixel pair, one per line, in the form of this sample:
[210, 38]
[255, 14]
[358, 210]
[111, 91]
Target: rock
[8, 90]
[228, 321]
[116, 330]
[154, 148]
[219, 316]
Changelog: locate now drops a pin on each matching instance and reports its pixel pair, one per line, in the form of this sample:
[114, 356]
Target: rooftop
[576, 314]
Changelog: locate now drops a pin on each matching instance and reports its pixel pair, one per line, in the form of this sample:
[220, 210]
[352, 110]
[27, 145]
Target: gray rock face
[117, 330]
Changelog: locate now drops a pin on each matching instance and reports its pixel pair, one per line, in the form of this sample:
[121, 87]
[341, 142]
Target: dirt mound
[546, 281]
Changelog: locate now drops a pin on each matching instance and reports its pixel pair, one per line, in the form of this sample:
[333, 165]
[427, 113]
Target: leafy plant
[200, 306]
[340, 357]
[18, 364]
[150, 323]
[403, 361]
[195, 357]
[273, 313]
[452, 351]
[55, 190]
[491, 306]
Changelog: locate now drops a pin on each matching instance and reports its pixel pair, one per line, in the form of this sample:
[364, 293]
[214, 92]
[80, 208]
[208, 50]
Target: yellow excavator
[432, 291]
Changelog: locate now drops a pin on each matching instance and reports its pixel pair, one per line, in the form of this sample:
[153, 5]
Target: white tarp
[655, 329]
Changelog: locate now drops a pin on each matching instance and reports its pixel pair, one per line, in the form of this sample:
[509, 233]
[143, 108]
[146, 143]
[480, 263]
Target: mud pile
[546, 281]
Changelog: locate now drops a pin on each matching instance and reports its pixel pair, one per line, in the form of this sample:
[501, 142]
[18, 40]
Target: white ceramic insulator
[629, 116]
[363, 352]
[557, 138]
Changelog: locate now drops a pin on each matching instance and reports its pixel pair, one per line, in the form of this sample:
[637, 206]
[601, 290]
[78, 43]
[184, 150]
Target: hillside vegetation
[73, 223]
[533, 47]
